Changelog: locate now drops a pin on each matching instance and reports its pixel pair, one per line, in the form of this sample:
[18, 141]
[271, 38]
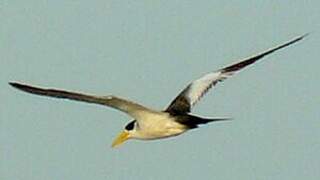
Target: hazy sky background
[148, 51]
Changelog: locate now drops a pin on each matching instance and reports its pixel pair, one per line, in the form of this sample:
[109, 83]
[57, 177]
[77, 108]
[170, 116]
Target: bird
[148, 123]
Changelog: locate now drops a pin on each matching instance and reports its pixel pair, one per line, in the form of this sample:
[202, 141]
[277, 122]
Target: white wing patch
[200, 86]
[195, 90]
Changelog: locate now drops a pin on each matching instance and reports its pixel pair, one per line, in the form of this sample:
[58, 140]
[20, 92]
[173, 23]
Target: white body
[156, 125]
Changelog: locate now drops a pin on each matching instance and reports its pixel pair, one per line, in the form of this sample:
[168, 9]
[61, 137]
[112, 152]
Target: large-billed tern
[151, 124]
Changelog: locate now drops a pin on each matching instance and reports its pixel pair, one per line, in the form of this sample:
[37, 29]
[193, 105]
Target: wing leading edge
[195, 90]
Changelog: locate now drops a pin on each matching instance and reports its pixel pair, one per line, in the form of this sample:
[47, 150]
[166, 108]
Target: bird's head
[129, 132]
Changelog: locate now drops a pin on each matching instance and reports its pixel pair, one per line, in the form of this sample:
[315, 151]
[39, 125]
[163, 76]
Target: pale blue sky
[148, 51]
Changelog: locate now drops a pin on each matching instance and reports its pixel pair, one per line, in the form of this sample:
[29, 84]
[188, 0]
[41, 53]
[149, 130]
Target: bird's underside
[153, 124]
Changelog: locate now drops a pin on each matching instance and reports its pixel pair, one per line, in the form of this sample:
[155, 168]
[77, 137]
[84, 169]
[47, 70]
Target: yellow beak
[122, 137]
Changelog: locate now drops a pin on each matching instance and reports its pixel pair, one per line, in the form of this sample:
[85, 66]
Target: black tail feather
[205, 121]
[192, 121]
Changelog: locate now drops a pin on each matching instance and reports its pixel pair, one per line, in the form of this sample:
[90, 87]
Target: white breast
[158, 125]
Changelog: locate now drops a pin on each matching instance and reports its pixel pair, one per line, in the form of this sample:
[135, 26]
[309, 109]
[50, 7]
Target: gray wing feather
[195, 90]
[123, 105]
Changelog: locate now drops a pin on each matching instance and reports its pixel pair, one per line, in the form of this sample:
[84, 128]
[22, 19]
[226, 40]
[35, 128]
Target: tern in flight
[151, 124]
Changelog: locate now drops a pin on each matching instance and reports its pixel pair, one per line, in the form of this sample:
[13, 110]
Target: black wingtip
[301, 37]
[16, 85]
[13, 84]
[21, 86]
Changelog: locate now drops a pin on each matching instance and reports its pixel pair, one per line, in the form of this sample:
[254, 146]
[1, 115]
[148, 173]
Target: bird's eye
[130, 125]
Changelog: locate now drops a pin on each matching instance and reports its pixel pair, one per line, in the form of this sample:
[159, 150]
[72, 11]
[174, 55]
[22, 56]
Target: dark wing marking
[123, 105]
[196, 89]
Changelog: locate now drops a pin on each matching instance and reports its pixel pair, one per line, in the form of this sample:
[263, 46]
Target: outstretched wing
[131, 108]
[196, 89]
